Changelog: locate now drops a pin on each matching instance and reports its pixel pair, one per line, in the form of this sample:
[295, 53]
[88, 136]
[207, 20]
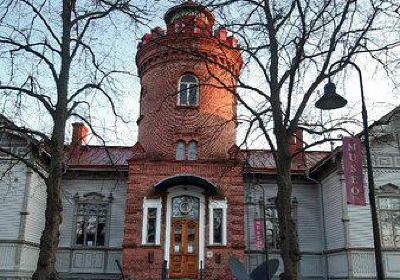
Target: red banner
[258, 234]
[353, 170]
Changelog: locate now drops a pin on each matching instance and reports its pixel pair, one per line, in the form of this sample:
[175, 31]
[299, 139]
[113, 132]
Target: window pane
[217, 221]
[177, 237]
[192, 150]
[180, 150]
[151, 225]
[91, 224]
[185, 206]
[80, 228]
[193, 94]
[191, 238]
[101, 232]
[188, 79]
[183, 94]
[91, 229]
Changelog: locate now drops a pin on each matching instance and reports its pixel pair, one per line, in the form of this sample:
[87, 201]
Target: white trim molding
[217, 204]
[190, 191]
[151, 203]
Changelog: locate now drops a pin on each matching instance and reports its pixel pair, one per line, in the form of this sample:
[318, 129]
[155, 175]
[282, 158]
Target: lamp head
[330, 100]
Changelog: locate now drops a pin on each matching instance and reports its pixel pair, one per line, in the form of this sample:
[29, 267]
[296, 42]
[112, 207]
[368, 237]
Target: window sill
[77, 247]
[191, 107]
[216, 246]
[151, 245]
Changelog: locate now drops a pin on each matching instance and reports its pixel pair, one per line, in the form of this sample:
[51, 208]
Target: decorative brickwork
[143, 175]
[188, 47]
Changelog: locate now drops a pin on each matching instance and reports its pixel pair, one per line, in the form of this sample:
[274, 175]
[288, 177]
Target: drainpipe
[325, 241]
[346, 230]
[23, 215]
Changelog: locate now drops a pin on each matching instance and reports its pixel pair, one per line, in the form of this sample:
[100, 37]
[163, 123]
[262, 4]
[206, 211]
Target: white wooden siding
[105, 187]
[333, 203]
[12, 192]
[36, 208]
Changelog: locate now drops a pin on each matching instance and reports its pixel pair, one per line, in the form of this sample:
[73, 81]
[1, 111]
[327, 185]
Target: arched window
[188, 91]
[192, 150]
[180, 150]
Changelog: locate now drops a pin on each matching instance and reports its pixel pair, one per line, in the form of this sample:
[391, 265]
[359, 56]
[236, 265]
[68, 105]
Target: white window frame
[151, 203]
[217, 204]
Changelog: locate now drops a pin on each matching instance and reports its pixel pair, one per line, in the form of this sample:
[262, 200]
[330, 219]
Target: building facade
[185, 196]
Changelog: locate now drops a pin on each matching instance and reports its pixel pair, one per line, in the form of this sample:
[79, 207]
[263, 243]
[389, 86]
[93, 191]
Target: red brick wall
[213, 123]
[143, 175]
[162, 59]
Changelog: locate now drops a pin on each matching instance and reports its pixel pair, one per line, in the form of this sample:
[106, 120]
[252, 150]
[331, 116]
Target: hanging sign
[353, 170]
[258, 234]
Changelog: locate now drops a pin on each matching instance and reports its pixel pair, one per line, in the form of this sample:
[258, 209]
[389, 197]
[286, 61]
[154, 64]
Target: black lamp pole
[262, 204]
[331, 94]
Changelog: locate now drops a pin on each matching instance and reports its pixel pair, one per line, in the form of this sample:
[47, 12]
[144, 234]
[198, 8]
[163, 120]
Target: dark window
[151, 225]
[188, 91]
[217, 222]
[91, 224]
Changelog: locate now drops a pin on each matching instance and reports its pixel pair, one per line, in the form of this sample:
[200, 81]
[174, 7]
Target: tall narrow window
[192, 150]
[180, 150]
[151, 221]
[188, 91]
[217, 216]
[151, 225]
[217, 222]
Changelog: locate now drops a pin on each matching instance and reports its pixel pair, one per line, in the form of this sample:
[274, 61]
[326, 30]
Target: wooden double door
[184, 251]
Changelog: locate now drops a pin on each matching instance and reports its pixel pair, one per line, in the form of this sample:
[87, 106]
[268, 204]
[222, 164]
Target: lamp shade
[330, 100]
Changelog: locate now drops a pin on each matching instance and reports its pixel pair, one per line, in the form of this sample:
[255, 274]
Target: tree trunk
[288, 240]
[50, 235]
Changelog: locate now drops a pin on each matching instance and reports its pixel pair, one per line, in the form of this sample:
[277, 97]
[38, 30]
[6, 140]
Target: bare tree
[288, 47]
[56, 56]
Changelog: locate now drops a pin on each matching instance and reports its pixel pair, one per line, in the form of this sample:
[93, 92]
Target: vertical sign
[353, 171]
[258, 234]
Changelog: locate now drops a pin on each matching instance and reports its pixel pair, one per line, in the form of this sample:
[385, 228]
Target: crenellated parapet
[189, 35]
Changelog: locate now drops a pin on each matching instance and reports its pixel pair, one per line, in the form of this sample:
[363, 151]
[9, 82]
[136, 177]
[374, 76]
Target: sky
[380, 94]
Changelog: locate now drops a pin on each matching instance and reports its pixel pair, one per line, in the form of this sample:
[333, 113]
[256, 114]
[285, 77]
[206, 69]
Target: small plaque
[210, 254]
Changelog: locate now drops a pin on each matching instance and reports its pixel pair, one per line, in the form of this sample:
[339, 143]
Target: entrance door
[184, 251]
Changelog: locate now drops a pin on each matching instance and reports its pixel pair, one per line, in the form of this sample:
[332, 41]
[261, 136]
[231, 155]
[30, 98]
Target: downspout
[325, 240]
[23, 215]
[346, 221]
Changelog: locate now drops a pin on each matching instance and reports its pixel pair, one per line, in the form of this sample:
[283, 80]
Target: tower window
[180, 150]
[192, 150]
[188, 91]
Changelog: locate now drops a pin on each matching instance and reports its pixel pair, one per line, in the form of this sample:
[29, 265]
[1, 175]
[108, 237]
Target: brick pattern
[164, 57]
[213, 122]
[226, 175]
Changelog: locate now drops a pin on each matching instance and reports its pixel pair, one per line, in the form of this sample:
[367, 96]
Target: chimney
[79, 132]
[296, 145]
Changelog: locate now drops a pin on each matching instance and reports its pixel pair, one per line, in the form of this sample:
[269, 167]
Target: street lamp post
[330, 100]
[262, 204]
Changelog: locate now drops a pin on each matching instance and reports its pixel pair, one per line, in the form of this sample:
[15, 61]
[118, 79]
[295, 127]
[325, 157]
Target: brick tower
[185, 194]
